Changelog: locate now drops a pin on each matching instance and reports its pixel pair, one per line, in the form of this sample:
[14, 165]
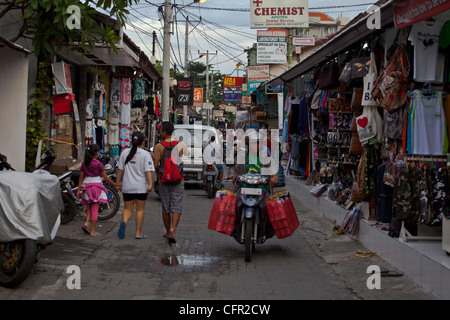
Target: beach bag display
[391, 86]
[360, 67]
[369, 80]
[282, 214]
[329, 78]
[223, 212]
[394, 124]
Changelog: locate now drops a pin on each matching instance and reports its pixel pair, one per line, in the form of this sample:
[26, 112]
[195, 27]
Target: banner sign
[303, 41]
[276, 13]
[232, 95]
[198, 97]
[408, 12]
[271, 52]
[233, 82]
[241, 116]
[252, 86]
[258, 73]
[185, 91]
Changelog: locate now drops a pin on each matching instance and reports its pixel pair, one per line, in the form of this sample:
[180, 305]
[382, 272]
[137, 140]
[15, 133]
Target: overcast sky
[228, 32]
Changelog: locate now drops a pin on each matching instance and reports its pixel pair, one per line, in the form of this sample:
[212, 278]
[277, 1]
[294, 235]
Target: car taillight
[209, 167]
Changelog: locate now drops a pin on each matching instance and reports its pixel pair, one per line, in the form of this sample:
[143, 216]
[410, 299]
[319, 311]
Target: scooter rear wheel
[70, 209]
[248, 240]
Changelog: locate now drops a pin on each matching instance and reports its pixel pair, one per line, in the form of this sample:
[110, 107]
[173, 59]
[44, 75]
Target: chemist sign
[279, 13]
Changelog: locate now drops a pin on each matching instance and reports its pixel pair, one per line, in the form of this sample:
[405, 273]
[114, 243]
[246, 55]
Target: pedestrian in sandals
[168, 165]
[135, 172]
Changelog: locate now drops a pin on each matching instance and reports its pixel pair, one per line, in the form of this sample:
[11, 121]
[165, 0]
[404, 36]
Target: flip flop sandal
[96, 234]
[85, 230]
[122, 228]
[143, 237]
[323, 175]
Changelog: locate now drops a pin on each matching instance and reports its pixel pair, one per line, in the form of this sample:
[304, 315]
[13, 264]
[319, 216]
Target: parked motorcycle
[69, 198]
[252, 225]
[29, 219]
[210, 173]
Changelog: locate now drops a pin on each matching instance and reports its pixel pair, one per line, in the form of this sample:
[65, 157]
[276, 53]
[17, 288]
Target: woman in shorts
[135, 167]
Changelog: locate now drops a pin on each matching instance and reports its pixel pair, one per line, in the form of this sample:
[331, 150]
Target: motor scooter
[28, 220]
[252, 225]
[210, 173]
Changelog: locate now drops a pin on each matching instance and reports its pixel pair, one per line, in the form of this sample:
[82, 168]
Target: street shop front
[366, 118]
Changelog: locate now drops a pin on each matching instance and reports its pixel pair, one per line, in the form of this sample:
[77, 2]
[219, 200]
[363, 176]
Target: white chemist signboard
[279, 13]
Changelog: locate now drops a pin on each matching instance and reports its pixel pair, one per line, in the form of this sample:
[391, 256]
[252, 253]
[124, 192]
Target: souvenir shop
[104, 106]
[366, 124]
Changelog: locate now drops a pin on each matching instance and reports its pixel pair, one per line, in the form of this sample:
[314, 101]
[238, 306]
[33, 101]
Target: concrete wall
[13, 105]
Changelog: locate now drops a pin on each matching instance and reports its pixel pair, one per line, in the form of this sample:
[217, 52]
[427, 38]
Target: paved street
[204, 264]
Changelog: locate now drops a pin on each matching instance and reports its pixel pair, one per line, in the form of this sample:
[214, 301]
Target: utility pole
[166, 61]
[186, 63]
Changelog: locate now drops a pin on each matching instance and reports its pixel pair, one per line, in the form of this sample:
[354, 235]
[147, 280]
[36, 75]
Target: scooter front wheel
[248, 239]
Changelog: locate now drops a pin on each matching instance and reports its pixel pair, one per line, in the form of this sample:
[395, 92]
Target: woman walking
[135, 167]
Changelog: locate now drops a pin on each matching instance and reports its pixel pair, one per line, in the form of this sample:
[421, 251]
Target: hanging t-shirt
[428, 62]
[125, 90]
[115, 90]
[429, 127]
[125, 113]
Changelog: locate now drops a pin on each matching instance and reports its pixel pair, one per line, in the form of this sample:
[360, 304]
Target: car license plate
[251, 191]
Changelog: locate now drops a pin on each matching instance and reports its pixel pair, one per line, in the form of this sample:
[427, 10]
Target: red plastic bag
[223, 213]
[283, 217]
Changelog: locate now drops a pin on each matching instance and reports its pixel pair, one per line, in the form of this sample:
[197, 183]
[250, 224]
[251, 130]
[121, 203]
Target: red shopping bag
[283, 217]
[223, 213]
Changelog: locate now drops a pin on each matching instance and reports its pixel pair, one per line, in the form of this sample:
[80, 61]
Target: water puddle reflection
[188, 260]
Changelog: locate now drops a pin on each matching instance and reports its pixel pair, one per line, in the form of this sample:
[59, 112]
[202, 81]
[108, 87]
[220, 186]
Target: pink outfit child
[93, 191]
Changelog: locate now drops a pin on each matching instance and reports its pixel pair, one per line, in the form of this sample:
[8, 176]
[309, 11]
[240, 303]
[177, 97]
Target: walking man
[168, 165]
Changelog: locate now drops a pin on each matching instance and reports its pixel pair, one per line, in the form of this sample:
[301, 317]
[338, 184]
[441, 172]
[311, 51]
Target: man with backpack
[168, 165]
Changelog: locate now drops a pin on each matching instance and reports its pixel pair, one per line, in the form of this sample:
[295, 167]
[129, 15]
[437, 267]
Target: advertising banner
[185, 91]
[408, 12]
[233, 82]
[232, 95]
[276, 13]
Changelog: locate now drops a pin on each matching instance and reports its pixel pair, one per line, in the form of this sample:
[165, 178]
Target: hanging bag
[369, 80]
[366, 125]
[391, 86]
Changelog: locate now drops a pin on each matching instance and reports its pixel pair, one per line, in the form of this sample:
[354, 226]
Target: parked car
[194, 136]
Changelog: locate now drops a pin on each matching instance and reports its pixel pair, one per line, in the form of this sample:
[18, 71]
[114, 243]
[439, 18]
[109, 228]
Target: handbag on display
[367, 124]
[329, 78]
[345, 78]
[394, 123]
[391, 86]
[360, 67]
[369, 80]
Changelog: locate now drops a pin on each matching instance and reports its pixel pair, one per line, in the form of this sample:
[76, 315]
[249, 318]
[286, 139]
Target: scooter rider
[212, 152]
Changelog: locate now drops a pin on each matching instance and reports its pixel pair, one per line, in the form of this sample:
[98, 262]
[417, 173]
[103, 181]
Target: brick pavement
[311, 264]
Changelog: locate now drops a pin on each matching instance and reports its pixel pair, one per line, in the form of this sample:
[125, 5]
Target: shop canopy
[128, 54]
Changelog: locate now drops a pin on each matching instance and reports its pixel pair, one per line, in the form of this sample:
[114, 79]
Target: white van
[194, 136]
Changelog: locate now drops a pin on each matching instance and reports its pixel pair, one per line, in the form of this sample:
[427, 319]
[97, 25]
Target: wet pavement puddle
[192, 260]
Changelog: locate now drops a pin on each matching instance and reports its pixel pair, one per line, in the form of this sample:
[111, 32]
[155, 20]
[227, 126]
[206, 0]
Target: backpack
[171, 172]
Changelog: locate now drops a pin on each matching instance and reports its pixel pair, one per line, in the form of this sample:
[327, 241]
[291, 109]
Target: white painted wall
[13, 105]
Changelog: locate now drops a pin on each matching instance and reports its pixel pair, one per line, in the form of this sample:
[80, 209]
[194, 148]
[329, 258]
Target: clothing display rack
[405, 235]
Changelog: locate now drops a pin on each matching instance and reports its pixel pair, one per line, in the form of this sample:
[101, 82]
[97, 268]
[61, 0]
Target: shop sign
[198, 97]
[242, 116]
[258, 73]
[271, 39]
[252, 86]
[233, 82]
[185, 91]
[274, 90]
[271, 53]
[303, 41]
[232, 95]
[275, 13]
[408, 12]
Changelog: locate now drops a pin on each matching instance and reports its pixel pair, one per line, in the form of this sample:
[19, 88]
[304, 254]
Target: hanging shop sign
[233, 82]
[242, 116]
[252, 86]
[185, 91]
[258, 73]
[232, 95]
[275, 13]
[408, 12]
[275, 89]
[198, 97]
[271, 52]
[303, 41]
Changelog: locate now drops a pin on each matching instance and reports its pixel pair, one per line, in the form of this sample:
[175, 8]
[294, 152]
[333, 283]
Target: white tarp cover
[30, 206]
